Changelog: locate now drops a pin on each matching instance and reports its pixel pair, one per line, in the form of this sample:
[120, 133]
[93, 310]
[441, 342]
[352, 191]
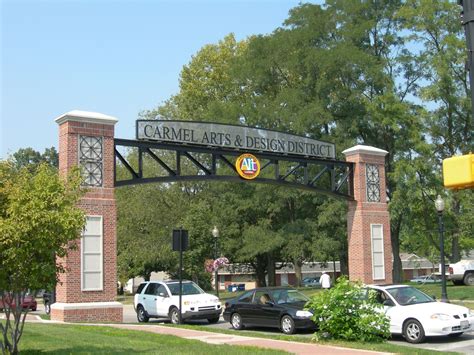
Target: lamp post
[439, 204]
[215, 234]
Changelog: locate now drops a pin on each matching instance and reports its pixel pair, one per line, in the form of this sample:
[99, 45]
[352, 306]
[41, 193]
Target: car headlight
[304, 314]
[441, 316]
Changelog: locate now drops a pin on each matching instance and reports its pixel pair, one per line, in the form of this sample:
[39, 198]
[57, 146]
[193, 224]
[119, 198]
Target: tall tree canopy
[388, 74]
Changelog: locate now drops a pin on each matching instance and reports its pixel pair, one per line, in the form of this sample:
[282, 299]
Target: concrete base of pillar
[110, 312]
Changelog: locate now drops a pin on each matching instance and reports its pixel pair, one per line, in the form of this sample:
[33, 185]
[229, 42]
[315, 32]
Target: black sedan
[280, 307]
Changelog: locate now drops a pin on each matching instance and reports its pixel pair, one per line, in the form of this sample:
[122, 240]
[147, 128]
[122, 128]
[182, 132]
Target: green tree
[38, 220]
[146, 216]
[448, 123]
[346, 72]
[31, 158]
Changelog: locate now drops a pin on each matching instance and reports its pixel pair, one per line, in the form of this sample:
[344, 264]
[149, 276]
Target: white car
[426, 279]
[158, 299]
[416, 315]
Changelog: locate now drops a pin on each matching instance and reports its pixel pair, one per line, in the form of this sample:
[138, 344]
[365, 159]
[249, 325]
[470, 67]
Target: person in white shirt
[325, 280]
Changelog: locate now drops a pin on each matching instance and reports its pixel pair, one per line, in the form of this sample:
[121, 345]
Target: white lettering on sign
[229, 136]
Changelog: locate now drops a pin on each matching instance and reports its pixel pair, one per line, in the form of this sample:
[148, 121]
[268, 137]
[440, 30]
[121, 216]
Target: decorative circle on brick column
[90, 158]
[373, 183]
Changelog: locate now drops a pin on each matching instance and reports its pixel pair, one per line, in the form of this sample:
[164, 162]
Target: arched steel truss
[331, 177]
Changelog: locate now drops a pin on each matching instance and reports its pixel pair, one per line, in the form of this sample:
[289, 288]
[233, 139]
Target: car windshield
[189, 288]
[409, 295]
[288, 296]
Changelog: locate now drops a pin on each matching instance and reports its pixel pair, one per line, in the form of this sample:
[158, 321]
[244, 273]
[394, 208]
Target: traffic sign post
[180, 243]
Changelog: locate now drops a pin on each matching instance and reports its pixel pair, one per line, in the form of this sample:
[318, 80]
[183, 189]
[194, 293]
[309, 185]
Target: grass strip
[82, 339]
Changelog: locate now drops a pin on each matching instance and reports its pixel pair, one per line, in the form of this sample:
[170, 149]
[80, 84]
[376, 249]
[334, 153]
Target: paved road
[463, 344]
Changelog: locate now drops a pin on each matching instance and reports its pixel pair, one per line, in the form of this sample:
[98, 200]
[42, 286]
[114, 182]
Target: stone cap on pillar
[86, 116]
[364, 149]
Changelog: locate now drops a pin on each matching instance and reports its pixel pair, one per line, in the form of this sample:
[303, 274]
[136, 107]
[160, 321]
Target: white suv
[157, 299]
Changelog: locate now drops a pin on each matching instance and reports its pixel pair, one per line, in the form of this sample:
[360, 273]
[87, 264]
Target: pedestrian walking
[325, 281]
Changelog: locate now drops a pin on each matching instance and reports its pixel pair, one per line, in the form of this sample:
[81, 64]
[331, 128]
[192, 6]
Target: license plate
[464, 324]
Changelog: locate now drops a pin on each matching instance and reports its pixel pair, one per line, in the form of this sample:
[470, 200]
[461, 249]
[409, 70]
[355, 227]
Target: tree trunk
[297, 264]
[271, 270]
[260, 275]
[343, 262]
[344, 266]
[260, 269]
[455, 250]
[397, 271]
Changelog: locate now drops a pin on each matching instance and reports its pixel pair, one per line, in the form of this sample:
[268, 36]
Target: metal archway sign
[192, 151]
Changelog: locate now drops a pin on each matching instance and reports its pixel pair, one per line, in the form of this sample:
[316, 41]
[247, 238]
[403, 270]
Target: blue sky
[115, 57]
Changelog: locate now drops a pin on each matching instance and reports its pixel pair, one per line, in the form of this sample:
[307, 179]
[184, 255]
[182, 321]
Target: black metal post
[180, 273]
[444, 294]
[216, 270]
[468, 23]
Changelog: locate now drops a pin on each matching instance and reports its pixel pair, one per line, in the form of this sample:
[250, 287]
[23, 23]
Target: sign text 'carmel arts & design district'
[229, 136]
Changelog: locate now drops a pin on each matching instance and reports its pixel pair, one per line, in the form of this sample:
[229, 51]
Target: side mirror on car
[433, 297]
[270, 303]
[388, 303]
[162, 294]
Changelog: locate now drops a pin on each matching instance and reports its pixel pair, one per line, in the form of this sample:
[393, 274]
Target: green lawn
[82, 339]
[463, 293]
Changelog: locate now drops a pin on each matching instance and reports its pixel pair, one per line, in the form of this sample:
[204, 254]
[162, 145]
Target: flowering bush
[220, 261]
[213, 265]
[349, 312]
[209, 265]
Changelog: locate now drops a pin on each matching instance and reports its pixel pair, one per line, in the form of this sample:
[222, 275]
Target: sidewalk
[216, 338]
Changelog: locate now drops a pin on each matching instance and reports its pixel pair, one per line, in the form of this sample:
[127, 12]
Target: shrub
[349, 312]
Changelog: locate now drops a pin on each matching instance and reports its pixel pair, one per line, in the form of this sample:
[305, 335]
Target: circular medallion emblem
[247, 166]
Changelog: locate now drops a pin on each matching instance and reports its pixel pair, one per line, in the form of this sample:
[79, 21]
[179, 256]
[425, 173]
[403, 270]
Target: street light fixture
[215, 234]
[439, 204]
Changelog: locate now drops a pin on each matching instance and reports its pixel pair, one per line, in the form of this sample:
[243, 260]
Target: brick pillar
[368, 220]
[86, 292]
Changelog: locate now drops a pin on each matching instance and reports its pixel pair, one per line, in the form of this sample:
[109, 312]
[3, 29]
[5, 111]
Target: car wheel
[47, 308]
[287, 325]
[236, 321]
[141, 315]
[174, 315]
[213, 320]
[413, 331]
[469, 279]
